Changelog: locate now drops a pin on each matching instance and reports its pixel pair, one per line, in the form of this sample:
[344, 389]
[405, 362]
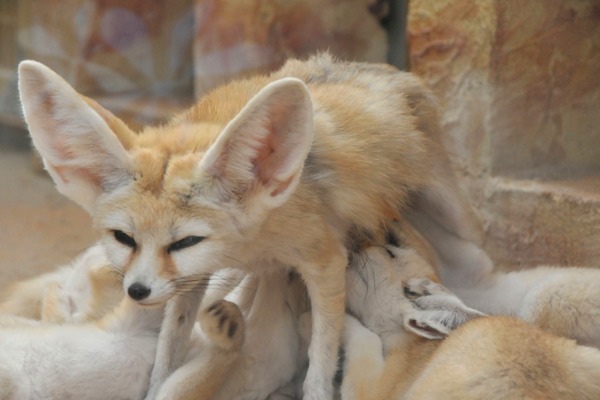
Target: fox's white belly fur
[78, 362]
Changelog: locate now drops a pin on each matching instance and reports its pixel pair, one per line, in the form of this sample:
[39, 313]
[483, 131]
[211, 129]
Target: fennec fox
[390, 354]
[268, 172]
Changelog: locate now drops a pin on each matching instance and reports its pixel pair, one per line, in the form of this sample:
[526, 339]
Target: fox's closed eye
[188, 241]
[124, 238]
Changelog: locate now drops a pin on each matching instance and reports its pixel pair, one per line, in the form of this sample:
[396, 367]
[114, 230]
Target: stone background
[519, 84]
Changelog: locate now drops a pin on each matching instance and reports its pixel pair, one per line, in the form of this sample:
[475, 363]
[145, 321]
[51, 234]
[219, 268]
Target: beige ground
[40, 228]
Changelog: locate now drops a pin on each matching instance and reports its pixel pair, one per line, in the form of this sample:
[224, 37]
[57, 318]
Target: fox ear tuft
[72, 134]
[263, 149]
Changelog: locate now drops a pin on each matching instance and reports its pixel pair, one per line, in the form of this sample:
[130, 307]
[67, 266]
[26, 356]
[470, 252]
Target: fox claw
[223, 323]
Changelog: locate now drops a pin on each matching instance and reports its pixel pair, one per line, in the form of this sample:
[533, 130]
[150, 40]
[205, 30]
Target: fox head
[176, 202]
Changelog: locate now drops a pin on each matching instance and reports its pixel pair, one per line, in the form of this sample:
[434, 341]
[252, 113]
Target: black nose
[137, 291]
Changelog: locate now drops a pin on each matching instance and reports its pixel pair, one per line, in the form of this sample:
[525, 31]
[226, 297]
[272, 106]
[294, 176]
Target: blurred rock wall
[519, 83]
[147, 59]
[241, 38]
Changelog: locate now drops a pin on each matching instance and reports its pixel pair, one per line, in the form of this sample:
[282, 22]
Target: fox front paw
[223, 324]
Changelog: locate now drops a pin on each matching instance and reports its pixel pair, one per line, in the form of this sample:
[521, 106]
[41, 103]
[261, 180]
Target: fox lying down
[392, 290]
[270, 172]
[390, 354]
[71, 334]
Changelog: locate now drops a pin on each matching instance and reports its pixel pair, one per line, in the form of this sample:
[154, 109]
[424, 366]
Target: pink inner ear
[81, 172]
[263, 157]
[263, 146]
[273, 149]
[47, 107]
[52, 122]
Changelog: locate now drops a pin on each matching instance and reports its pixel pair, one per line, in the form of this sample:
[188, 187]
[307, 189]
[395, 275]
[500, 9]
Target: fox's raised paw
[223, 324]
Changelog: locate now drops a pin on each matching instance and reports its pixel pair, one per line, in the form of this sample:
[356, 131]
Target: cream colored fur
[86, 289]
[271, 303]
[62, 355]
[273, 351]
[272, 172]
[80, 361]
[387, 356]
[392, 296]
[561, 300]
[111, 358]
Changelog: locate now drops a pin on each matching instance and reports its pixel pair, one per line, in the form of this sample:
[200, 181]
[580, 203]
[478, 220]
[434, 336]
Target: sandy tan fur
[488, 358]
[503, 358]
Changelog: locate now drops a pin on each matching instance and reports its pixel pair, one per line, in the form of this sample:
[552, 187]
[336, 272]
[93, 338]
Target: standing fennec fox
[268, 172]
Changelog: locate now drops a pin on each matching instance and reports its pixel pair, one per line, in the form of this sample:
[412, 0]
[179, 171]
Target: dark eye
[124, 238]
[185, 242]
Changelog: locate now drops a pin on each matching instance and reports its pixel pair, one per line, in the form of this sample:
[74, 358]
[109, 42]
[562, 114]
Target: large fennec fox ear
[263, 149]
[74, 135]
